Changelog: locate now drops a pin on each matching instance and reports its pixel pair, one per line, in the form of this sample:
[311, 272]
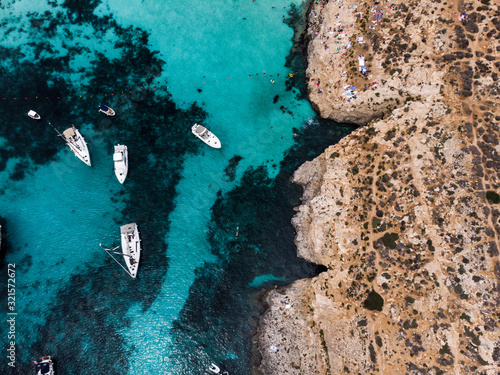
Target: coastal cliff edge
[405, 211]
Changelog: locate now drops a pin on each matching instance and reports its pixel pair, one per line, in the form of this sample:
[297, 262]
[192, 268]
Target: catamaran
[131, 249]
[45, 366]
[120, 157]
[34, 115]
[206, 135]
[106, 110]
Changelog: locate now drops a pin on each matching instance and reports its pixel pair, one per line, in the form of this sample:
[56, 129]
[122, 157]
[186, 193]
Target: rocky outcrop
[404, 212]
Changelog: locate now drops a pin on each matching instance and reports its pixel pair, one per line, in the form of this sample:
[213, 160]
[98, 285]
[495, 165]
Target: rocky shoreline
[405, 211]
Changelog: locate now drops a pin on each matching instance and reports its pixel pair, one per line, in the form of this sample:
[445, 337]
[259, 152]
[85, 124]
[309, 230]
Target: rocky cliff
[404, 212]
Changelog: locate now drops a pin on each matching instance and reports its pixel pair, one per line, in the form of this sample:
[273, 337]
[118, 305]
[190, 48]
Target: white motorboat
[77, 144]
[131, 247]
[106, 110]
[45, 366]
[216, 370]
[34, 115]
[120, 158]
[206, 136]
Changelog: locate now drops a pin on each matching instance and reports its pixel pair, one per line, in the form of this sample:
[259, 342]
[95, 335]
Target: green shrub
[389, 240]
[374, 301]
[492, 197]
[410, 299]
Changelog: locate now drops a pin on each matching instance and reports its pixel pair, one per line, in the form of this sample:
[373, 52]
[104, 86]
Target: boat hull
[131, 247]
[107, 110]
[120, 158]
[45, 366]
[214, 369]
[206, 136]
[34, 115]
[78, 145]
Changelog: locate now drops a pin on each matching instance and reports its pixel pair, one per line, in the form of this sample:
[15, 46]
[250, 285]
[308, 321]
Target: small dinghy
[106, 110]
[34, 115]
[216, 370]
[206, 136]
[45, 366]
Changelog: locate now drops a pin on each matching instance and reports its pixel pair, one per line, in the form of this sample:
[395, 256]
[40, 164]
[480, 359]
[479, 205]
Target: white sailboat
[131, 249]
[120, 158]
[206, 136]
[34, 115]
[76, 143]
[45, 366]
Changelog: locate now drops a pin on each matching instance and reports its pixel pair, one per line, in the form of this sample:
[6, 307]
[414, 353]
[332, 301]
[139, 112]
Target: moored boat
[77, 144]
[216, 370]
[131, 249]
[45, 366]
[34, 115]
[206, 135]
[120, 158]
[106, 110]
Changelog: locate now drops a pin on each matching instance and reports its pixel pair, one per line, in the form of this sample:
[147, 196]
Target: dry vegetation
[405, 212]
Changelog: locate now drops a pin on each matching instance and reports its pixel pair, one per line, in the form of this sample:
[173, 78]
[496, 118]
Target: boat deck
[127, 228]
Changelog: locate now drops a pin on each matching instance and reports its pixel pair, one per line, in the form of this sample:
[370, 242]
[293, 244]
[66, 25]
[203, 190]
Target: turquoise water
[261, 279]
[162, 66]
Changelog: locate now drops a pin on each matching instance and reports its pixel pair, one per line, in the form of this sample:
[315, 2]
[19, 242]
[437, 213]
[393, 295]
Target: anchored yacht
[77, 144]
[120, 157]
[206, 136]
[131, 247]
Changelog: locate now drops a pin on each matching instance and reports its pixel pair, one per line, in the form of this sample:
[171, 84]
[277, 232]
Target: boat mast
[57, 131]
[108, 251]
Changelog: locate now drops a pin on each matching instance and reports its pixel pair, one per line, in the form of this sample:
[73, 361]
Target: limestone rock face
[389, 41]
[405, 211]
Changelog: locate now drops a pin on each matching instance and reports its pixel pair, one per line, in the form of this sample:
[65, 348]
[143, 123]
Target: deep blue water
[162, 65]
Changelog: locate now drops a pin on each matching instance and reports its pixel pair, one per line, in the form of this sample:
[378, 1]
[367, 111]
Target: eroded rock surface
[404, 212]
